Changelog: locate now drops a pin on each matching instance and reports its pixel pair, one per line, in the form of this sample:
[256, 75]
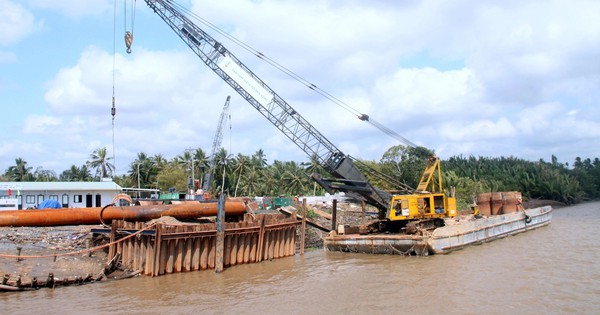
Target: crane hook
[128, 41]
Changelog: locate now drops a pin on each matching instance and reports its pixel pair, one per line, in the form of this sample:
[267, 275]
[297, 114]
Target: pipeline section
[77, 216]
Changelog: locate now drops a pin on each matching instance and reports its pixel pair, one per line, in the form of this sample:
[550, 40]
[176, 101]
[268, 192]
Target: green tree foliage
[587, 173]
[534, 179]
[171, 176]
[20, 172]
[143, 171]
[314, 167]
[43, 175]
[76, 174]
[405, 164]
[243, 175]
[100, 162]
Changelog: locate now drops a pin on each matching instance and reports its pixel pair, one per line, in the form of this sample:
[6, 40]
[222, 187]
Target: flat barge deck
[456, 234]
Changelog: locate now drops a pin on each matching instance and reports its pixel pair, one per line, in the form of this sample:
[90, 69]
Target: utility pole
[193, 171]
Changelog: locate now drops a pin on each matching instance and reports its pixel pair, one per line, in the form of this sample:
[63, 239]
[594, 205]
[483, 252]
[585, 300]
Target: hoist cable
[133, 5]
[113, 108]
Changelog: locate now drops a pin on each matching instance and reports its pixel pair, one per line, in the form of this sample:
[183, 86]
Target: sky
[470, 78]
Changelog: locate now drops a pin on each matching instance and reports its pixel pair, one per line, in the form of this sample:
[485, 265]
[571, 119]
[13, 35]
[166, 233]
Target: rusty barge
[456, 234]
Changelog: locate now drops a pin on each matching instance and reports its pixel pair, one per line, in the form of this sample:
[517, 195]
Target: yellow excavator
[426, 207]
[429, 201]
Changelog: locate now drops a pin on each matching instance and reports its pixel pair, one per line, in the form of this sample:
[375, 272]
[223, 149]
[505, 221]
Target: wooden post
[220, 235]
[157, 250]
[334, 216]
[303, 230]
[362, 215]
[261, 240]
[113, 236]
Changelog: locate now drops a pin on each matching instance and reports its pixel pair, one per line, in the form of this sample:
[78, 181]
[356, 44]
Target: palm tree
[312, 167]
[75, 173]
[222, 169]
[241, 164]
[270, 183]
[277, 171]
[159, 160]
[20, 172]
[253, 183]
[200, 163]
[294, 178]
[259, 158]
[143, 171]
[42, 175]
[100, 162]
[84, 174]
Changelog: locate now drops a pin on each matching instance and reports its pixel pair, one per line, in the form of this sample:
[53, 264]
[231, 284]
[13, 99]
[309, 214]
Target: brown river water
[551, 270]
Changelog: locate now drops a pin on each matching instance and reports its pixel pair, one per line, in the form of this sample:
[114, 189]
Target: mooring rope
[83, 251]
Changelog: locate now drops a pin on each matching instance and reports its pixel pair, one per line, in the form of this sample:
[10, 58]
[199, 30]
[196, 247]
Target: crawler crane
[423, 207]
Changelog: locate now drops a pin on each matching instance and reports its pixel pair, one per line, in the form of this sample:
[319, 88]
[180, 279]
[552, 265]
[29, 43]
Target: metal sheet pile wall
[172, 248]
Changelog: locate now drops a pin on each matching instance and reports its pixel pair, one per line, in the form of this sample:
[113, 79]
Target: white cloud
[144, 82]
[486, 130]
[16, 22]
[485, 78]
[413, 92]
[37, 124]
[74, 8]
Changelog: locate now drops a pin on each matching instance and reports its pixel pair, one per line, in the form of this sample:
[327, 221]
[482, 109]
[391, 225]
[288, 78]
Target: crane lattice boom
[347, 176]
[216, 145]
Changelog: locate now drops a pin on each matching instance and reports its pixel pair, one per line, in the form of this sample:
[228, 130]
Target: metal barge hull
[455, 235]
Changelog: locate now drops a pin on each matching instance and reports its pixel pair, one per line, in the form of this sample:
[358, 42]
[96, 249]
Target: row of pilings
[181, 247]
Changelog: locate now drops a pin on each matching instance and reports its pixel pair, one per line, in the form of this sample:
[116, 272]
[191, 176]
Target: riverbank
[67, 251]
[32, 257]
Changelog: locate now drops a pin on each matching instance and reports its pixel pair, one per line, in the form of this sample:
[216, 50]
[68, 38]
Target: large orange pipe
[75, 216]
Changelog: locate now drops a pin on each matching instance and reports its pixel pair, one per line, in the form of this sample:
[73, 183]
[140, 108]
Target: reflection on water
[554, 269]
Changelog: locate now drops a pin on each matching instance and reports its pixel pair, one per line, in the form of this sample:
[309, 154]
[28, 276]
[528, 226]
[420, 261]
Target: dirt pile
[347, 214]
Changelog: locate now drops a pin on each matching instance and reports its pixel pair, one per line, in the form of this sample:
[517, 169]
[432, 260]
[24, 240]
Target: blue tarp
[49, 204]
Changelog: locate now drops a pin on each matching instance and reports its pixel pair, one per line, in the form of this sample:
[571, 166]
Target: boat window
[30, 199]
[77, 198]
[404, 203]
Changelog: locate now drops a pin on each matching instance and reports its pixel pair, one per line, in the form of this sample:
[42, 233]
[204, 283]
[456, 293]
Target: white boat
[456, 234]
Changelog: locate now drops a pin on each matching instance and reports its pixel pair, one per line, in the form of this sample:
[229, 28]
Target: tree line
[251, 175]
